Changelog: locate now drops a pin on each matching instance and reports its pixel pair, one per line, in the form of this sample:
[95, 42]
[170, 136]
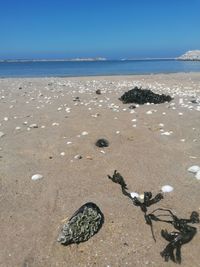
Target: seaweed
[84, 223]
[142, 96]
[176, 238]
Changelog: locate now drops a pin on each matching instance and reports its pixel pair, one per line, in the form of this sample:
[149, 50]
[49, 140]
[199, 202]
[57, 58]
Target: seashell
[141, 196]
[134, 194]
[36, 177]
[84, 133]
[167, 188]
[166, 133]
[78, 157]
[85, 222]
[2, 134]
[197, 176]
[194, 169]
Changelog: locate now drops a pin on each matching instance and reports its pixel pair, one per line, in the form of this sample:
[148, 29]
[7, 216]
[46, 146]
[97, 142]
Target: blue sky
[90, 28]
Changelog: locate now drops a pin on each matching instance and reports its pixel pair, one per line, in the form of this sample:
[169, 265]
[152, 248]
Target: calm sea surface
[61, 69]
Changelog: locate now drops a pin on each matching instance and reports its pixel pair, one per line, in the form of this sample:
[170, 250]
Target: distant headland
[193, 55]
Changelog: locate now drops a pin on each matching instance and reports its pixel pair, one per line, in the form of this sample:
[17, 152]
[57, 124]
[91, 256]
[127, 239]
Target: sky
[98, 28]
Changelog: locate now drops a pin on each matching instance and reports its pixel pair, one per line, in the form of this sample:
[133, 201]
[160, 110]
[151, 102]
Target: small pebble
[36, 177]
[17, 128]
[102, 143]
[62, 153]
[89, 157]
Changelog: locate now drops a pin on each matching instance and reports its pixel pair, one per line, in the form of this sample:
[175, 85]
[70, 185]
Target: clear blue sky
[89, 28]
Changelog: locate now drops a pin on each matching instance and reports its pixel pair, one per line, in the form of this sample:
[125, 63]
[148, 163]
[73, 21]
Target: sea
[94, 68]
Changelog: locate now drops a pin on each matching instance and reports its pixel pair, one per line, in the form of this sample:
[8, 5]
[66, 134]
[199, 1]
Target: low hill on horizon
[191, 55]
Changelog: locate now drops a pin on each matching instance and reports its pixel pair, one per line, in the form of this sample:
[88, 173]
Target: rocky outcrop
[190, 55]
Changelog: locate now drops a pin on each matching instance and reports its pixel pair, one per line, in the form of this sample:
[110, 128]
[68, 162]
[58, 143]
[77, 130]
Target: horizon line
[87, 59]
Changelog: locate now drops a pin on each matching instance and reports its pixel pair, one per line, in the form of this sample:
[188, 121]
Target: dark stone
[98, 92]
[76, 99]
[85, 222]
[102, 143]
[142, 96]
[132, 106]
[20, 88]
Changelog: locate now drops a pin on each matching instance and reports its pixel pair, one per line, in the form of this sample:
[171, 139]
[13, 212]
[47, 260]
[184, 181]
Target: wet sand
[32, 212]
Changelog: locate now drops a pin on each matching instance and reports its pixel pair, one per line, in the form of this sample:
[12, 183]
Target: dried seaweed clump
[85, 222]
[142, 96]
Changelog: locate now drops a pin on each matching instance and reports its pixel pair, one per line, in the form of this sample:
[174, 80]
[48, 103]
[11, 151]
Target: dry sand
[32, 211]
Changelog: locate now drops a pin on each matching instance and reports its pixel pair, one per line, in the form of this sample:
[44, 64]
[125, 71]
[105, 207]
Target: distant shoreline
[79, 60]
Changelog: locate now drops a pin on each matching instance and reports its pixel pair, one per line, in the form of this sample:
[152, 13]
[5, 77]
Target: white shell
[84, 133]
[141, 196]
[78, 157]
[167, 188]
[198, 175]
[194, 169]
[36, 177]
[2, 134]
[166, 133]
[134, 194]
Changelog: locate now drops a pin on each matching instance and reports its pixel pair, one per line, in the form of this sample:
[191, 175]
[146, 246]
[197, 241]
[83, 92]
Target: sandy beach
[46, 122]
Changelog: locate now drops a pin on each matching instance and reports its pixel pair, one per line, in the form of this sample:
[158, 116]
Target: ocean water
[112, 67]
